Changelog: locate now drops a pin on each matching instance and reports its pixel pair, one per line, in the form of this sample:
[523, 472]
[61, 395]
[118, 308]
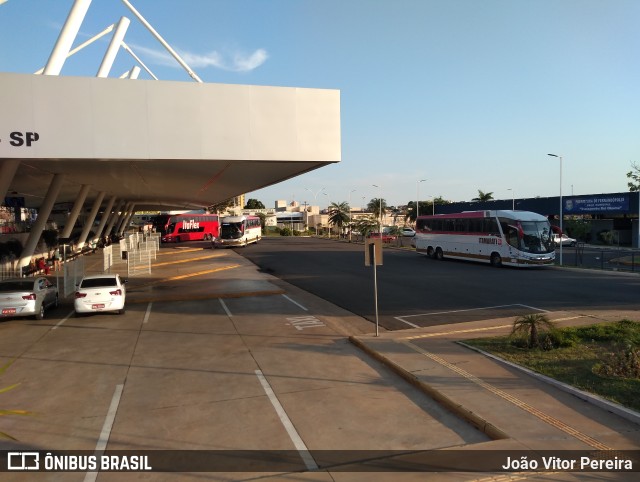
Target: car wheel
[496, 260]
[121, 312]
[40, 314]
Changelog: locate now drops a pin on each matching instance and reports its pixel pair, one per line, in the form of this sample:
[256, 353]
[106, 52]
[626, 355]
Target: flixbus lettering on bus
[190, 227]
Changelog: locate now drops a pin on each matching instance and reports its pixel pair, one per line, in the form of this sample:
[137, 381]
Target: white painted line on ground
[534, 308]
[402, 318]
[286, 422]
[224, 306]
[147, 313]
[295, 303]
[106, 429]
[63, 320]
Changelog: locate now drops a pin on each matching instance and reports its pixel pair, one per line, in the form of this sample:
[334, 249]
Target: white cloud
[237, 62]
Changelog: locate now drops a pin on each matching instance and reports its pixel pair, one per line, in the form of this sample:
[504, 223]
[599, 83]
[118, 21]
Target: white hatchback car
[103, 292]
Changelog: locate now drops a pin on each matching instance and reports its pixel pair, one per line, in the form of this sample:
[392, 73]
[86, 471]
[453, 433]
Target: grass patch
[603, 359]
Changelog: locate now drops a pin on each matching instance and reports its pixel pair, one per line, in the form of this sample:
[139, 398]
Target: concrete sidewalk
[517, 408]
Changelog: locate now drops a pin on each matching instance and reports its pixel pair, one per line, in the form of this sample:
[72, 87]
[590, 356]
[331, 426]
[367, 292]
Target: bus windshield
[231, 230]
[528, 236]
[169, 229]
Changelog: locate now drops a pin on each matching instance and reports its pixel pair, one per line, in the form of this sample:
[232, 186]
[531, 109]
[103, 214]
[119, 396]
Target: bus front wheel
[496, 260]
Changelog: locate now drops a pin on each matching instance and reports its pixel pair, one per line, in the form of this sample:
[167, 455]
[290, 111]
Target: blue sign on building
[599, 203]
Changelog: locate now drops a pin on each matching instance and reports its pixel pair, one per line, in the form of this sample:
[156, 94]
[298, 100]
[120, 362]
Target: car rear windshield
[16, 286]
[99, 283]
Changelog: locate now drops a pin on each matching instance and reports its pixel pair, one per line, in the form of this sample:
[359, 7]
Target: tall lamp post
[380, 201]
[350, 227]
[315, 197]
[418, 198]
[560, 157]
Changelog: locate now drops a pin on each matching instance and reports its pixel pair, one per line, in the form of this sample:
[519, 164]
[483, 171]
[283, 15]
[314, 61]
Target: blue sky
[467, 94]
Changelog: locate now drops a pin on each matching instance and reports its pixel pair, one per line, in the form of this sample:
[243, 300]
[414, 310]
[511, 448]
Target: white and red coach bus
[190, 227]
[513, 238]
[238, 231]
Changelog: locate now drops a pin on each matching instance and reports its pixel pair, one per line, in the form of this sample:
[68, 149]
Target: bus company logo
[191, 224]
[23, 461]
[497, 241]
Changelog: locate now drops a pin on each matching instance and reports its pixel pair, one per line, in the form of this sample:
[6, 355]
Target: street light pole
[418, 198]
[560, 157]
[380, 202]
[513, 199]
[315, 197]
[350, 192]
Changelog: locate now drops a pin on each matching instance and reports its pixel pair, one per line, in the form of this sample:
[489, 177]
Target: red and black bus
[190, 227]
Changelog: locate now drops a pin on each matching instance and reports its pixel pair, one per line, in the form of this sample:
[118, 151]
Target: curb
[600, 402]
[456, 408]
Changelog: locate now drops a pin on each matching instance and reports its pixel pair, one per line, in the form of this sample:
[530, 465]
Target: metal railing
[601, 257]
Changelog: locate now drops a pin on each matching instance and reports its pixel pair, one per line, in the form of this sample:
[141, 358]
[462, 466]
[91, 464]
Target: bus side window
[462, 225]
[491, 226]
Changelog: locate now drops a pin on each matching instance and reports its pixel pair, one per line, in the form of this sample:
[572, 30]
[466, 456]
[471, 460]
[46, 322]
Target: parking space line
[63, 320]
[106, 429]
[295, 303]
[147, 313]
[225, 308]
[286, 422]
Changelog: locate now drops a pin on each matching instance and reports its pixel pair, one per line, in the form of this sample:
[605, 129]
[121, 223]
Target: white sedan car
[27, 297]
[564, 240]
[103, 292]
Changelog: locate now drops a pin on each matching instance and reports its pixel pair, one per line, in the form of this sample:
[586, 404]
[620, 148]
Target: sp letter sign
[20, 139]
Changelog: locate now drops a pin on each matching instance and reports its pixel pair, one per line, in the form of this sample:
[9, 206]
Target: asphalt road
[417, 291]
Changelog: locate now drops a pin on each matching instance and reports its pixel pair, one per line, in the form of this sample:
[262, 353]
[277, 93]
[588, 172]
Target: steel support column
[41, 221]
[75, 211]
[89, 221]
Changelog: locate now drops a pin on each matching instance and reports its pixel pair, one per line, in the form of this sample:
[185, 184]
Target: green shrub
[623, 362]
[285, 231]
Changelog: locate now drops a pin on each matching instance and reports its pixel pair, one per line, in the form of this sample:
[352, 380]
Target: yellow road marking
[200, 273]
[180, 251]
[472, 330]
[554, 422]
[190, 275]
[166, 263]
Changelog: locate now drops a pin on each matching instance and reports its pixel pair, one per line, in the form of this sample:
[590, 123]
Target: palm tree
[366, 226]
[483, 196]
[338, 214]
[531, 325]
[377, 206]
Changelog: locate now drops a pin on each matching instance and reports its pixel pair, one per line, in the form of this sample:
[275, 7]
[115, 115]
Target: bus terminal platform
[512, 409]
[515, 407]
